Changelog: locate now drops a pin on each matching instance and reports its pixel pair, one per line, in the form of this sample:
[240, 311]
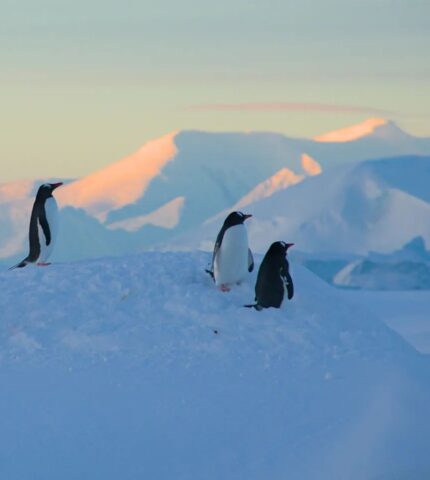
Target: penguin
[273, 279]
[43, 226]
[232, 258]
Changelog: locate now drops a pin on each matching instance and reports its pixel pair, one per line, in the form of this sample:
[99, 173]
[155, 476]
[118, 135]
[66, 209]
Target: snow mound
[169, 289]
[137, 367]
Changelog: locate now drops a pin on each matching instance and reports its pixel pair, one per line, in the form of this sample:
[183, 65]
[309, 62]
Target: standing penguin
[232, 259]
[43, 226]
[273, 278]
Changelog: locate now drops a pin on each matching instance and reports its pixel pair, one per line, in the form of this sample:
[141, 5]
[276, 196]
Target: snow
[406, 312]
[281, 180]
[121, 183]
[166, 216]
[128, 205]
[310, 165]
[354, 132]
[405, 269]
[137, 367]
[371, 275]
[350, 210]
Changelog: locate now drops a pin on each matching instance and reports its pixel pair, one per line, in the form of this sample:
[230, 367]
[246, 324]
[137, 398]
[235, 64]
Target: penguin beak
[290, 245]
[56, 185]
[247, 216]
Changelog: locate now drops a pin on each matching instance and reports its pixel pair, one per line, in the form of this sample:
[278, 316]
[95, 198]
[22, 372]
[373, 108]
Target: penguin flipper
[250, 261]
[45, 226]
[216, 248]
[288, 281]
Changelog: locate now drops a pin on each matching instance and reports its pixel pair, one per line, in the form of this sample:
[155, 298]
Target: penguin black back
[274, 277]
[38, 214]
[38, 217]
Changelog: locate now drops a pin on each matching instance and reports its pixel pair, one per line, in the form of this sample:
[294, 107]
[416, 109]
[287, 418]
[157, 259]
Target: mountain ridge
[131, 200]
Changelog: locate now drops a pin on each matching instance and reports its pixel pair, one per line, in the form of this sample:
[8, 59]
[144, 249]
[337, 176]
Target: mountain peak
[120, 183]
[355, 132]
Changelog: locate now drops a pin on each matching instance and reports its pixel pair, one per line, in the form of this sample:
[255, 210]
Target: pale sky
[84, 83]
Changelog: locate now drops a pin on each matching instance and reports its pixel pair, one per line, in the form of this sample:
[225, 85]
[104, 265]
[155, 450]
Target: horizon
[342, 134]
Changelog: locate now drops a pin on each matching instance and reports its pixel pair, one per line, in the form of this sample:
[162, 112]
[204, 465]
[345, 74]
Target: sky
[84, 83]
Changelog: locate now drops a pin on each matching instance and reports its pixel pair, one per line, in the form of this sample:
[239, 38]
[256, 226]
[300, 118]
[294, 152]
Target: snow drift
[136, 367]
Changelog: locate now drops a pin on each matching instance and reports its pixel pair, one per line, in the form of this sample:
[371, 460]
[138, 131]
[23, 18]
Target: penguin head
[45, 190]
[280, 248]
[235, 218]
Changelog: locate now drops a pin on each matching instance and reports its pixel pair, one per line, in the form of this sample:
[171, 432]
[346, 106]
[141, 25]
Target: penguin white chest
[51, 210]
[231, 260]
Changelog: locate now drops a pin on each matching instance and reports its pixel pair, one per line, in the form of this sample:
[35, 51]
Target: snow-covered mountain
[137, 367]
[175, 183]
[371, 206]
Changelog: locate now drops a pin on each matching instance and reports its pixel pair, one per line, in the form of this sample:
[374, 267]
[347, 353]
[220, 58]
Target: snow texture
[137, 367]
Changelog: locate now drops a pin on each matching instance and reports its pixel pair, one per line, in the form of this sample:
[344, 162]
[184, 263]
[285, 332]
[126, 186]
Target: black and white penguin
[43, 226]
[273, 279]
[232, 259]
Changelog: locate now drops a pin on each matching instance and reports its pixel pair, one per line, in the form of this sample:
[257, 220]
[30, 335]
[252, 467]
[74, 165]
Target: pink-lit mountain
[174, 184]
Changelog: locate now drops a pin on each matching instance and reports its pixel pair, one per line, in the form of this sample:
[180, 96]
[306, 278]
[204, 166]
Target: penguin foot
[42, 264]
[224, 288]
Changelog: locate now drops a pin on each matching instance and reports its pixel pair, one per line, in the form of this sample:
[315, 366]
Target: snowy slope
[407, 312]
[371, 206]
[137, 367]
[373, 138]
[121, 183]
[372, 126]
[174, 183]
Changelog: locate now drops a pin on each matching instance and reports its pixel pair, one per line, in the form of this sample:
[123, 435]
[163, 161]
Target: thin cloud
[286, 107]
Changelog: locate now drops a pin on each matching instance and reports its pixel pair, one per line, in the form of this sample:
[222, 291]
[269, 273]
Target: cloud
[286, 107]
